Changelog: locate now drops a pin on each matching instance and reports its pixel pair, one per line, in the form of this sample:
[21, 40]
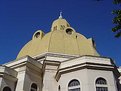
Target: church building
[61, 60]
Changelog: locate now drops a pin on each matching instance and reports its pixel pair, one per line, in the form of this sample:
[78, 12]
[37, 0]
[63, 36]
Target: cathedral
[61, 60]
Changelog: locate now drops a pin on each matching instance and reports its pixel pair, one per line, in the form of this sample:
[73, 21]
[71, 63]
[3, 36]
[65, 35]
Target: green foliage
[117, 20]
[117, 1]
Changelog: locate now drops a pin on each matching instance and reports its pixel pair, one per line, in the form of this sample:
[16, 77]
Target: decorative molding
[106, 66]
[55, 55]
[8, 73]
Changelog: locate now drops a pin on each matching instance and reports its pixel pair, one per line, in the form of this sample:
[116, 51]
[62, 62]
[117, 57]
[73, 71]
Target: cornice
[86, 62]
[8, 73]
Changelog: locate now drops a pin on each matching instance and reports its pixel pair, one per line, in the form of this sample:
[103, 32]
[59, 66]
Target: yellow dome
[61, 39]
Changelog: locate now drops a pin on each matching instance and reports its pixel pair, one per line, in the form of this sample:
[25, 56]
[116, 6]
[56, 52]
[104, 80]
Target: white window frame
[101, 85]
[74, 87]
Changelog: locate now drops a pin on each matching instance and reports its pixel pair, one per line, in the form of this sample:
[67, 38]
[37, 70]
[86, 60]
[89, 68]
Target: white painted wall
[49, 82]
[9, 83]
[87, 79]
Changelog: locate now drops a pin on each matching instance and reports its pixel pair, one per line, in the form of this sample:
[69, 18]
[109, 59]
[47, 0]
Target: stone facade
[61, 60]
[54, 75]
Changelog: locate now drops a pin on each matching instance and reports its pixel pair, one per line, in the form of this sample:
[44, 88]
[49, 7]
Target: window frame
[102, 84]
[73, 86]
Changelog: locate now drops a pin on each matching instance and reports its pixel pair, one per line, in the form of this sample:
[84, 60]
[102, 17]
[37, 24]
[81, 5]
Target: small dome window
[62, 27]
[37, 35]
[55, 28]
[69, 31]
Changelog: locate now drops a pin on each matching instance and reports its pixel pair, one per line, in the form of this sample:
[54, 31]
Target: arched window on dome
[34, 87]
[69, 31]
[37, 35]
[101, 84]
[55, 28]
[62, 27]
[6, 89]
[74, 85]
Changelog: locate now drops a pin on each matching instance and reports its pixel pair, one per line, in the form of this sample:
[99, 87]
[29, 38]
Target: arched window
[33, 87]
[101, 84]
[69, 31]
[6, 89]
[55, 28]
[74, 85]
[37, 35]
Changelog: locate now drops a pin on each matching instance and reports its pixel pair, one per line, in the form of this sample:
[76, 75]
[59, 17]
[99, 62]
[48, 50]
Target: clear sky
[19, 19]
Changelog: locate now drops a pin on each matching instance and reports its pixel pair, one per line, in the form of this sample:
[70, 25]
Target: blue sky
[19, 19]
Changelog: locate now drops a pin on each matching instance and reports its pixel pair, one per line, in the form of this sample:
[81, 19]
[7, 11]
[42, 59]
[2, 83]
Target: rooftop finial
[60, 17]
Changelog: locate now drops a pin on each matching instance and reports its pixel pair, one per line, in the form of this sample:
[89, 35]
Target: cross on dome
[60, 17]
